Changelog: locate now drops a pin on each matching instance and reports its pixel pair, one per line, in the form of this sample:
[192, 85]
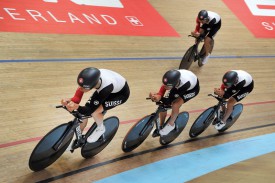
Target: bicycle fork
[149, 122]
[155, 116]
[64, 138]
[218, 114]
[79, 141]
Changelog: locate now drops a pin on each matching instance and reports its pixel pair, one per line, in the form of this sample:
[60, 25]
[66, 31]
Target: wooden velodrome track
[30, 90]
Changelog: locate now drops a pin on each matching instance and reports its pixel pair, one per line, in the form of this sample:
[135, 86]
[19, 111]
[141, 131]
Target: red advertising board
[257, 15]
[101, 17]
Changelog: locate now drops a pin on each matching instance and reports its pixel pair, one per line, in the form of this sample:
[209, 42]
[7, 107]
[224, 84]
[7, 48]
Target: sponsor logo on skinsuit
[189, 95]
[242, 95]
[113, 103]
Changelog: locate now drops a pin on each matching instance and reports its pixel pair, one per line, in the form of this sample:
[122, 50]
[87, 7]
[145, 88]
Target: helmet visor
[228, 84]
[168, 87]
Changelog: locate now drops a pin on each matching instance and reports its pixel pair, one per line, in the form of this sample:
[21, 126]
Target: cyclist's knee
[231, 102]
[212, 43]
[208, 40]
[98, 113]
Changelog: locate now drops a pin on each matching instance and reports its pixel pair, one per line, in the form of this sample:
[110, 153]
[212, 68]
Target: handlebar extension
[75, 113]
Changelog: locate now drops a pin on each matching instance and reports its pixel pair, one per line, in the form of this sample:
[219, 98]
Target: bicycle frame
[192, 54]
[56, 141]
[74, 128]
[217, 107]
[213, 115]
[142, 128]
[155, 115]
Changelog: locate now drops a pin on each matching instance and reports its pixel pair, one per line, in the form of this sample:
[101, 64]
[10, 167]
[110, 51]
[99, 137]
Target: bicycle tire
[180, 123]
[43, 154]
[89, 150]
[237, 111]
[188, 58]
[202, 122]
[133, 139]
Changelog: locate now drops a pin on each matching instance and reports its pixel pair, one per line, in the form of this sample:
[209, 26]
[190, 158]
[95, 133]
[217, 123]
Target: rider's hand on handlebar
[65, 101]
[219, 92]
[154, 97]
[72, 106]
[195, 34]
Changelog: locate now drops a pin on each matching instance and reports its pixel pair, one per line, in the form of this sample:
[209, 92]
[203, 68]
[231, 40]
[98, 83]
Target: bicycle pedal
[72, 150]
[101, 139]
[214, 121]
[82, 140]
[78, 144]
[75, 146]
[155, 133]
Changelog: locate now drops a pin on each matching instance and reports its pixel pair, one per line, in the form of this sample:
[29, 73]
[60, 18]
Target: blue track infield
[194, 164]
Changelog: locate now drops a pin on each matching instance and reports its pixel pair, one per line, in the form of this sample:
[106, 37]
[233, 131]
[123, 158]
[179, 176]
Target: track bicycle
[141, 130]
[213, 115]
[55, 142]
[192, 54]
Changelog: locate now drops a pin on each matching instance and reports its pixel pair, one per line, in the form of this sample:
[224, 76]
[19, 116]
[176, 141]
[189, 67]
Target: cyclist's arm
[156, 97]
[222, 87]
[96, 100]
[77, 96]
[198, 25]
[161, 91]
[220, 91]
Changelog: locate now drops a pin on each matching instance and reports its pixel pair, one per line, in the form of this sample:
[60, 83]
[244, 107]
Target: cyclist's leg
[83, 124]
[116, 99]
[209, 41]
[113, 100]
[160, 122]
[207, 47]
[229, 108]
[211, 45]
[237, 98]
[167, 100]
[183, 97]
[162, 117]
[190, 94]
[98, 115]
[100, 129]
[204, 32]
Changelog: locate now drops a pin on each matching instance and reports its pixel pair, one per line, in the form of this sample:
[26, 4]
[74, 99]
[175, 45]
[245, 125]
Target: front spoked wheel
[188, 58]
[44, 154]
[138, 133]
[237, 111]
[89, 150]
[202, 122]
[180, 123]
